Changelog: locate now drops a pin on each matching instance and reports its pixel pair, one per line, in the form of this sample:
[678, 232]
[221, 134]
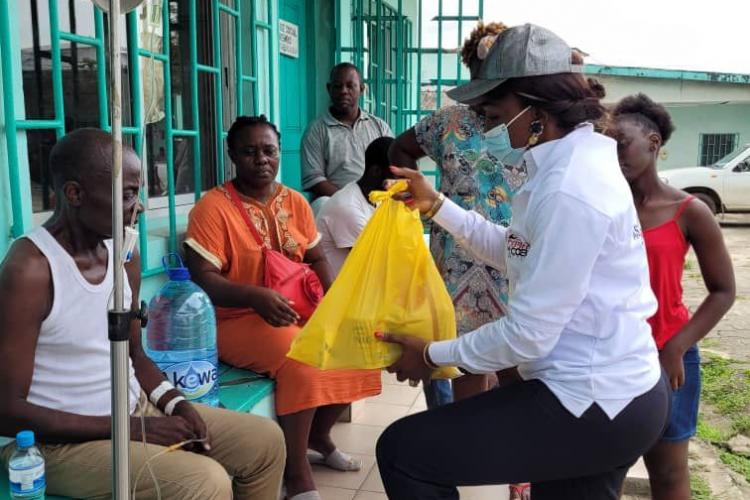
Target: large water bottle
[181, 336]
[26, 469]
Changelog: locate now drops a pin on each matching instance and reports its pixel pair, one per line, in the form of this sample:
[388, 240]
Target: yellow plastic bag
[388, 283]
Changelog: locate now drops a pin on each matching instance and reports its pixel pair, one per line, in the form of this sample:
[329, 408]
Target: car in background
[723, 186]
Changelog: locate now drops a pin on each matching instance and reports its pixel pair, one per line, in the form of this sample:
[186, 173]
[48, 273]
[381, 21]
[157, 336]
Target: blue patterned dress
[452, 138]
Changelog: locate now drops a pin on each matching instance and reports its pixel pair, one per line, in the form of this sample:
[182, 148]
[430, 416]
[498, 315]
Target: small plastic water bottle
[181, 336]
[26, 469]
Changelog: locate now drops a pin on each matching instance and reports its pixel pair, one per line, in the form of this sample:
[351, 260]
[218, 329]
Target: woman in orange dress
[256, 325]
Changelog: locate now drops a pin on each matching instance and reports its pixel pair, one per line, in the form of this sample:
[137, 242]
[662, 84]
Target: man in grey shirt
[333, 147]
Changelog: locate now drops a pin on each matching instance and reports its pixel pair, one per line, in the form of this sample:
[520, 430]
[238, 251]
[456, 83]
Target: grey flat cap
[527, 50]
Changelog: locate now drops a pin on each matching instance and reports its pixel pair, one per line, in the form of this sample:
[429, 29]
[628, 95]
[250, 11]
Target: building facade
[189, 67]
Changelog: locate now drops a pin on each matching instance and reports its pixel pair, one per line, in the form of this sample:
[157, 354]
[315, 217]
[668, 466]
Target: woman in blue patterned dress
[475, 179]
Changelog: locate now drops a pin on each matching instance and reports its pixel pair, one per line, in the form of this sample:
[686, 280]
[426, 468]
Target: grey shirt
[335, 152]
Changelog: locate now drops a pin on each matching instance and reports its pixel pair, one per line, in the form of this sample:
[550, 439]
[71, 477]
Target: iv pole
[119, 317]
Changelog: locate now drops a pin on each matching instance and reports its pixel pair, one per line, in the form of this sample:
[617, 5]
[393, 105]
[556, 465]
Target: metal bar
[119, 348]
[264, 25]
[447, 81]
[359, 41]
[458, 42]
[195, 108]
[19, 223]
[152, 55]
[424, 50]
[37, 124]
[57, 84]
[273, 51]
[238, 61]
[80, 39]
[419, 60]
[130, 130]
[152, 271]
[481, 9]
[410, 72]
[248, 78]
[254, 29]
[134, 64]
[380, 91]
[439, 97]
[228, 10]
[101, 68]
[207, 69]
[456, 18]
[178, 132]
[337, 29]
[218, 97]
[168, 133]
[399, 62]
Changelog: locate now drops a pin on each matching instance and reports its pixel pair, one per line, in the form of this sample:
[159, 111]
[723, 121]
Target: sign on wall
[288, 38]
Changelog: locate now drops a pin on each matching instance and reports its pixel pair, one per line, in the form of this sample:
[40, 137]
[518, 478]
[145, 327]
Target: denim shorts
[683, 420]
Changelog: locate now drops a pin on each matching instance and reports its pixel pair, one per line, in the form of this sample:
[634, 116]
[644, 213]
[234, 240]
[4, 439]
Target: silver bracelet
[169, 409]
[160, 391]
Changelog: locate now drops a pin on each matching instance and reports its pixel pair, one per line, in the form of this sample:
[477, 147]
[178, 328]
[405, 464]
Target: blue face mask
[497, 143]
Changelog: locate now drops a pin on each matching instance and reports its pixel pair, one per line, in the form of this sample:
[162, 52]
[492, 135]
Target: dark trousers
[519, 433]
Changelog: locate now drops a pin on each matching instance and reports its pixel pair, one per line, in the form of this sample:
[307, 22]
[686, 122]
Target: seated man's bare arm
[25, 301]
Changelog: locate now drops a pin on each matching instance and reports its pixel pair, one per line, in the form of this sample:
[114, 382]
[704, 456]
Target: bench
[239, 390]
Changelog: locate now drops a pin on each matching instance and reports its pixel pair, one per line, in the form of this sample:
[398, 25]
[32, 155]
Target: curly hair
[242, 122]
[649, 115]
[469, 49]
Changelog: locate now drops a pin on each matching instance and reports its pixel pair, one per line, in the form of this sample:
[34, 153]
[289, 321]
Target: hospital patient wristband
[169, 409]
[160, 391]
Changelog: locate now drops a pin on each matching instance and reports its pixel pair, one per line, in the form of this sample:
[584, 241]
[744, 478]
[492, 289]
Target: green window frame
[395, 66]
[260, 16]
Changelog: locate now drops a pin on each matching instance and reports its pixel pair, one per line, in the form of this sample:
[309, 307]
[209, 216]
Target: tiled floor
[369, 419]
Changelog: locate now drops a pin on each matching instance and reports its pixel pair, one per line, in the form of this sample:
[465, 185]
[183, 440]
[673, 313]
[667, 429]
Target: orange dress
[218, 233]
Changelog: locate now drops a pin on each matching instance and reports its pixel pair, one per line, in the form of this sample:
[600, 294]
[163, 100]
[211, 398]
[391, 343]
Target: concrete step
[636, 482]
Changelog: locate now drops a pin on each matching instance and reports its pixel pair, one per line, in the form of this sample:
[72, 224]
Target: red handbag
[294, 280]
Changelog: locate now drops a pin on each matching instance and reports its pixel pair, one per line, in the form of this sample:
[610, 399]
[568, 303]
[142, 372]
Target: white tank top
[72, 365]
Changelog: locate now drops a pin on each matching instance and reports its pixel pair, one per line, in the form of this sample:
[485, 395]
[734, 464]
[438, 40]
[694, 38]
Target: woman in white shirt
[593, 397]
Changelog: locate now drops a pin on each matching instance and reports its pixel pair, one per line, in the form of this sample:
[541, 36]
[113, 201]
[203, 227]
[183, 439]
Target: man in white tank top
[55, 284]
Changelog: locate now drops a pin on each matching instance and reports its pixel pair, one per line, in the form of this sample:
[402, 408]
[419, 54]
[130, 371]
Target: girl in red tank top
[672, 221]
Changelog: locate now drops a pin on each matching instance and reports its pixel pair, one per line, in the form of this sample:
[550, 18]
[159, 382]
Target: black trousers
[519, 433]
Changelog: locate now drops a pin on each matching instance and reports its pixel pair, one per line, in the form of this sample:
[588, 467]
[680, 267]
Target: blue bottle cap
[178, 273]
[25, 439]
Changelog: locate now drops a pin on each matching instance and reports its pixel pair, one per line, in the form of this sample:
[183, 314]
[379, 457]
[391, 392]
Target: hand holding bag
[294, 280]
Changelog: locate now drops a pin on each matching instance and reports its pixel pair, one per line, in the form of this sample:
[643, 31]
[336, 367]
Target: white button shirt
[580, 292]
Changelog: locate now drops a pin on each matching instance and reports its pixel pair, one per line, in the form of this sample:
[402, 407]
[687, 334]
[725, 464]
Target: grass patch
[709, 433]
[710, 342]
[699, 488]
[726, 387]
[688, 265]
[741, 425]
[737, 463]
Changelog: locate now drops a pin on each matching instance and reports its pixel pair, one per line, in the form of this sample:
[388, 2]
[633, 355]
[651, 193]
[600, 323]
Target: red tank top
[666, 248]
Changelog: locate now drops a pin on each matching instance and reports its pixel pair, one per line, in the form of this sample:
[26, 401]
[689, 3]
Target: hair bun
[597, 89]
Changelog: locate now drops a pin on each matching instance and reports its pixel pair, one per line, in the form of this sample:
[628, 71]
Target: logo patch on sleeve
[517, 246]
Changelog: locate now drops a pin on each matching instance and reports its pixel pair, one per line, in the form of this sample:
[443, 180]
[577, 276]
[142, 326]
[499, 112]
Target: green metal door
[293, 87]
